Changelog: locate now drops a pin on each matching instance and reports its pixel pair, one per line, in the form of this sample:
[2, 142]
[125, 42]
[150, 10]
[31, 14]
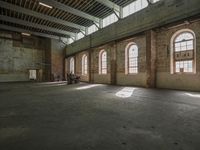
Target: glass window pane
[80, 35]
[103, 62]
[109, 20]
[185, 66]
[184, 42]
[154, 1]
[184, 37]
[190, 45]
[71, 67]
[92, 29]
[84, 65]
[132, 56]
[125, 11]
[134, 7]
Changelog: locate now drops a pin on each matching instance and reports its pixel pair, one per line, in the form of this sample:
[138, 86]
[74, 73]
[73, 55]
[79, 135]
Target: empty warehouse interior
[99, 74]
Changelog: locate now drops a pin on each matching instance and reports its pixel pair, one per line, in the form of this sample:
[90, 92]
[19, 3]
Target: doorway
[32, 74]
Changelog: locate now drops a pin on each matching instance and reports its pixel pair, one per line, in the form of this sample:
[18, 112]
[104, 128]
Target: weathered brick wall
[100, 78]
[121, 78]
[57, 59]
[176, 81]
[138, 79]
[79, 66]
[67, 65]
[18, 54]
[154, 16]
[158, 60]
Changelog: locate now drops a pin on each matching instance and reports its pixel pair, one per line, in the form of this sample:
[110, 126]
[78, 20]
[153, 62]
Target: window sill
[184, 73]
[103, 74]
[131, 74]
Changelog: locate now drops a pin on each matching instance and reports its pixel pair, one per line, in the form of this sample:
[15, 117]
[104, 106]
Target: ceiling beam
[150, 1]
[34, 25]
[110, 5]
[15, 29]
[71, 10]
[39, 15]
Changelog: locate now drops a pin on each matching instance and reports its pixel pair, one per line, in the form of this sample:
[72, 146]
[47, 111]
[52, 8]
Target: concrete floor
[56, 116]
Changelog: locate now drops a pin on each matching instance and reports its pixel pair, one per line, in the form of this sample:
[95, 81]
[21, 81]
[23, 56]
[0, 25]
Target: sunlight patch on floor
[125, 92]
[193, 95]
[88, 86]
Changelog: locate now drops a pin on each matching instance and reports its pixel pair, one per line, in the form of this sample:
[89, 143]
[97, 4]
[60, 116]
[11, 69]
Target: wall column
[113, 69]
[90, 66]
[57, 57]
[48, 62]
[151, 59]
[65, 67]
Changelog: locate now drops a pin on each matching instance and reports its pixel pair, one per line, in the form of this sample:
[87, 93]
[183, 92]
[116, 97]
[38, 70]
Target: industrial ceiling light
[43, 4]
[26, 34]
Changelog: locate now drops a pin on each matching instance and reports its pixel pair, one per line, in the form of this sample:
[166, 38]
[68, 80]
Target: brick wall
[176, 81]
[19, 54]
[79, 66]
[138, 79]
[153, 63]
[57, 59]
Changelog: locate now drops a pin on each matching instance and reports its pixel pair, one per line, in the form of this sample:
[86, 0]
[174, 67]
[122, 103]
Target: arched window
[131, 58]
[183, 52]
[84, 65]
[102, 62]
[71, 65]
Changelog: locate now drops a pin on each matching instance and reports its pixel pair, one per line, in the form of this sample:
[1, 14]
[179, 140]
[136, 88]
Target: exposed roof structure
[64, 19]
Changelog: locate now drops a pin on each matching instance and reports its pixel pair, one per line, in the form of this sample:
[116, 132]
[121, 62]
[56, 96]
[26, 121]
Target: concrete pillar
[151, 59]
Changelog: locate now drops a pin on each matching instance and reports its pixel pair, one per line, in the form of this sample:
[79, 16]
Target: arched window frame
[84, 64]
[172, 52]
[72, 65]
[127, 59]
[102, 62]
